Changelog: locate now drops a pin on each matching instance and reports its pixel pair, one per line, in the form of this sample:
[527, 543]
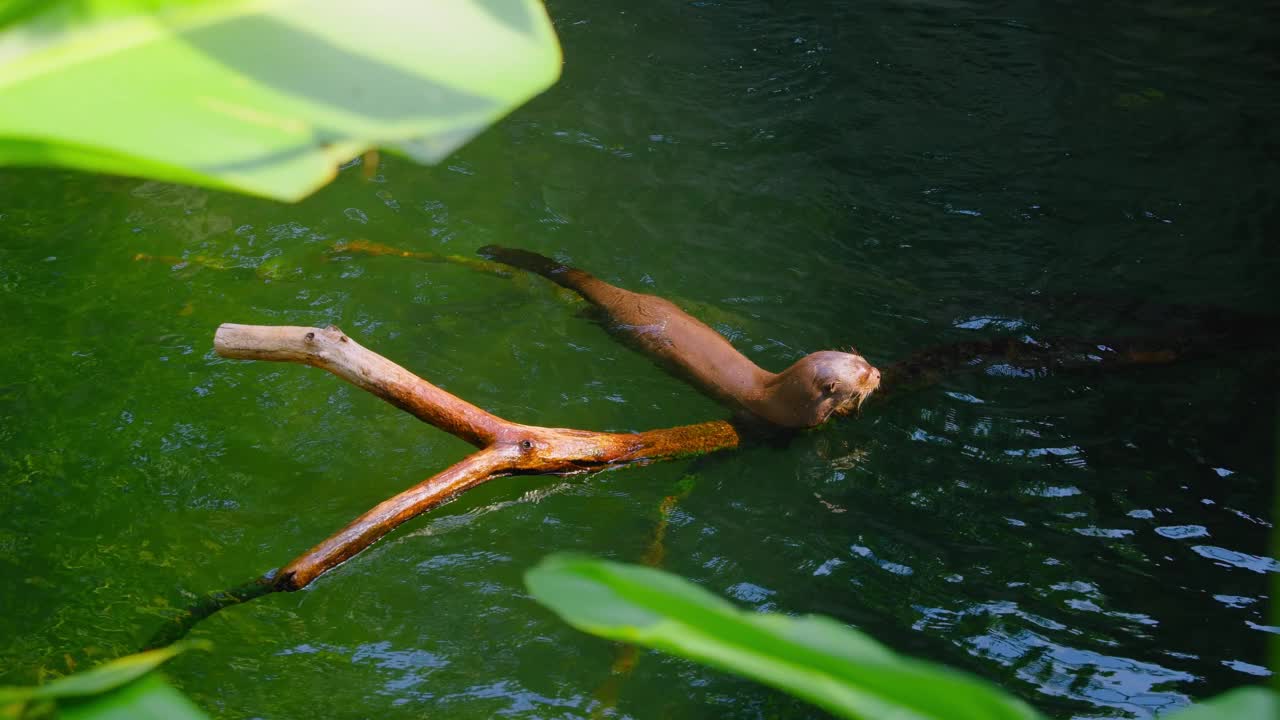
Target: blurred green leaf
[150, 698]
[1249, 703]
[100, 679]
[812, 657]
[262, 96]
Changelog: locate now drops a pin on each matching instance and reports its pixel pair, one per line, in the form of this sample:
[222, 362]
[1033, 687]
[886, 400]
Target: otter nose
[871, 376]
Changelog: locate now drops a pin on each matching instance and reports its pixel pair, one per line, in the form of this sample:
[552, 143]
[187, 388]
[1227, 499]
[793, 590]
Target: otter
[807, 394]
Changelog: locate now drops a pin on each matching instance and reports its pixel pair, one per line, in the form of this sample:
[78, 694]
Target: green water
[809, 175]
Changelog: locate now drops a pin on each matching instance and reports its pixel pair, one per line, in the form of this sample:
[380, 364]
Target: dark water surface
[806, 175]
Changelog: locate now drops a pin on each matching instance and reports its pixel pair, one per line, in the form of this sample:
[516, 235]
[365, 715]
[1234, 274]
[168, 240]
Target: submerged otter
[806, 394]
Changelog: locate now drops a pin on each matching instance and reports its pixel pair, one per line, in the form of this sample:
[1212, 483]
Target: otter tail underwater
[585, 284]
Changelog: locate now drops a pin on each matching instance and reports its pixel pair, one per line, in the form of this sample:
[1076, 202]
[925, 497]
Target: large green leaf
[100, 679]
[812, 657]
[261, 96]
[150, 698]
[1251, 703]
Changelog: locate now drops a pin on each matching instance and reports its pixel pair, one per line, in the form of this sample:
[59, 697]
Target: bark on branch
[330, 349]
[506, 447]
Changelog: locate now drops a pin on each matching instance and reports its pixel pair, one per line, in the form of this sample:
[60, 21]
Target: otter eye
[830, 389]
[526, 444]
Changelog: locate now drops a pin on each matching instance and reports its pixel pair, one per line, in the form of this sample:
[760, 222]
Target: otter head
[818, 386]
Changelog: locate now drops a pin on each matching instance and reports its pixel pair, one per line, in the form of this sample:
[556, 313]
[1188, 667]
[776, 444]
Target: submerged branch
[207, 605]
[506, 448]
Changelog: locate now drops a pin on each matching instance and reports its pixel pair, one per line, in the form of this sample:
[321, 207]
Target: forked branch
[505, 447]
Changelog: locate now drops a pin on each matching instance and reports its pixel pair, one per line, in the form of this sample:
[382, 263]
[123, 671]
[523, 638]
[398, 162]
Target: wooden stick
[506, 447]
[329, 349]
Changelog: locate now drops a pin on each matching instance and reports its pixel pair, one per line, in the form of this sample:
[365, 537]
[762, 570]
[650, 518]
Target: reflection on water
[410, 669]
[1101, 680]
[1235, 558]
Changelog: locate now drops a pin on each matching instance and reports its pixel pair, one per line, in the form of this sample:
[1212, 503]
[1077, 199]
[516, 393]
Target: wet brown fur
[806, 394]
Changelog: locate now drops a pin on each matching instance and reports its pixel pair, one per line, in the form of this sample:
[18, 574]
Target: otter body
[804, 395]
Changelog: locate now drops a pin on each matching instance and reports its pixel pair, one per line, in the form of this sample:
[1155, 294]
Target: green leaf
[150, 698]
[1248, 703]
[811, 657]
[261, 96]
[101, 679]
